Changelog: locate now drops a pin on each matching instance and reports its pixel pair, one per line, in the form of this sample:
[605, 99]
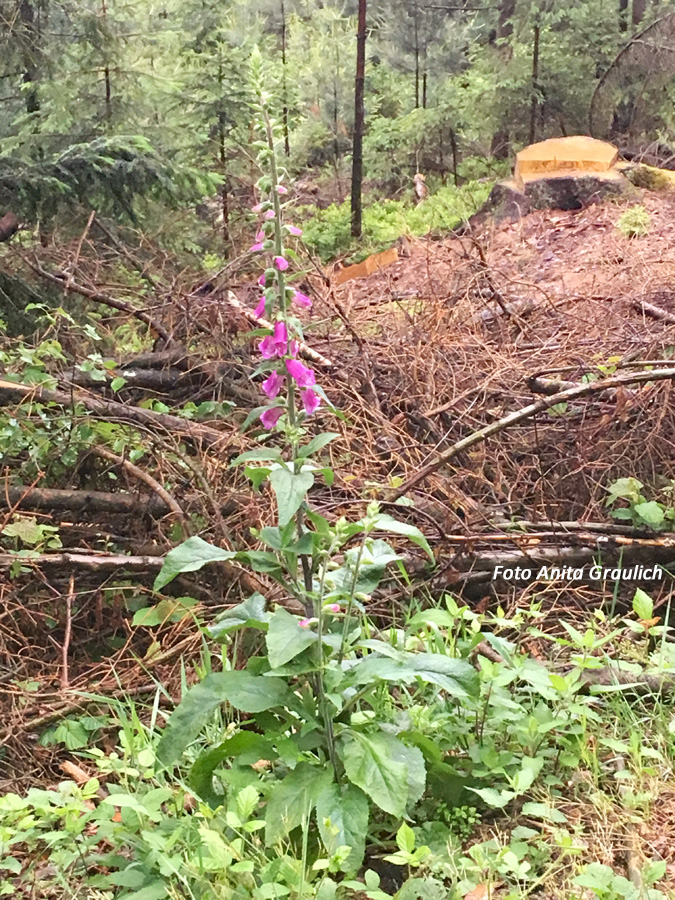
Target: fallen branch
[654, 311]
[112, 409]
[64, 281]
[63, 500]
[146, 478]
[527, 412]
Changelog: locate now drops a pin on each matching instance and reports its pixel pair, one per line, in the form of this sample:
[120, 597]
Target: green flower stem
[350, 602]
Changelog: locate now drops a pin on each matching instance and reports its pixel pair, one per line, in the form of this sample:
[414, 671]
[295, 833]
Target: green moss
[327, 231]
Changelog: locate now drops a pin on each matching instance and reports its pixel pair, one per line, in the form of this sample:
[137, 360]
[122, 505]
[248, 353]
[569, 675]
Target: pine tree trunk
[623, 15]
[535, 85]
[501, 140]
[639, 9]
[30, 52]
[359, 116]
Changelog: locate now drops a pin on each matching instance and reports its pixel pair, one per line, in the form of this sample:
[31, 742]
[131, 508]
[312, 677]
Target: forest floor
[458, 334]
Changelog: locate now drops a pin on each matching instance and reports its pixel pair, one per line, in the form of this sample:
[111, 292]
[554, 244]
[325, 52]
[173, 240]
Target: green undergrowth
[468, 765]
[327, 231]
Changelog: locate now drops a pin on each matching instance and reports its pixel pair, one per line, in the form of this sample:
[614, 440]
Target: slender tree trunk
[417, 61]
[639, 9]
[453, 146]
[359, 116]
[30, 50]
[507, 9]
[225, 206]
[623, 15]
[106, 77]
[284, 112]
[535, 85]
[424, 90]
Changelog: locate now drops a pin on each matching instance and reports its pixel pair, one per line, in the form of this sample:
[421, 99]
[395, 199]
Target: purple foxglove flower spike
[271, 416]
[310, 401]
[280, 263]
[302, 300]
[259, 311]
[272, 384]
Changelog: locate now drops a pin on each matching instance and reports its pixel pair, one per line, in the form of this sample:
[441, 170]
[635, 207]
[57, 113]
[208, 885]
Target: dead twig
[527, 412]
[147, 478]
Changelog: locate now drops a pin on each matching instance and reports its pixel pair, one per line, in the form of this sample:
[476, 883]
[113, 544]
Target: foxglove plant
[323, 675]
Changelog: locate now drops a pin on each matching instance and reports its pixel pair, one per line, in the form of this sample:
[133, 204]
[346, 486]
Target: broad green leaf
[596, 876]
[643, 606]
[370, 764]
[156, 890]
[413, 758]
[263, 454]
[493, 798]
[388, 523]
[257, 475]
[243, 748]
[247, 692]
[292, 800]
[290, 490]
[441, 618]
[247, 802]
[342, 815]
[652, 513]
[189, 556]
[543, 811]
[524, 779]
[457, 677]
[405, 838]
[249, 614]
[317, 443]
[286, 639]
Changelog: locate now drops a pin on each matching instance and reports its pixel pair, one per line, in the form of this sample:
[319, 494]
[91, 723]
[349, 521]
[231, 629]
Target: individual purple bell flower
[302, 300]
[256, 247]
[269, 214]
[280, 263]
[272, 384]
[259, 311]
[303, 375]
[271, 416]
[281, 189]
[311, 401]
[293, 229]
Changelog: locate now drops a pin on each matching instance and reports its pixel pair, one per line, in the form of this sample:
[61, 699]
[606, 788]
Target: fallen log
[112, 409]
[63, 500]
